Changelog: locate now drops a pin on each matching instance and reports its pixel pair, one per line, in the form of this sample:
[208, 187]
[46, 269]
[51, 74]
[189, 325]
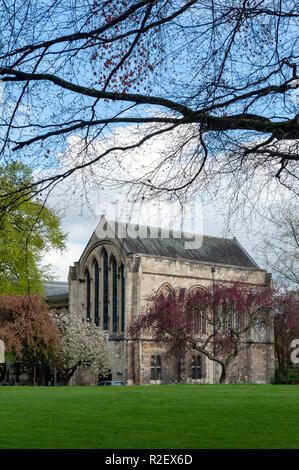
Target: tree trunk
[2, 372]
[223, 375]
[68, 374]
[179, 368]
[17, 373]
[34, 374]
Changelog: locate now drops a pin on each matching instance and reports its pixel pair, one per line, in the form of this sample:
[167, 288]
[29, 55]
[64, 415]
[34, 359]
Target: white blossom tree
[82, 344]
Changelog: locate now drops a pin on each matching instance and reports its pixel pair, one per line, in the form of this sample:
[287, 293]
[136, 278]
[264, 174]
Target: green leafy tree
[26, 232]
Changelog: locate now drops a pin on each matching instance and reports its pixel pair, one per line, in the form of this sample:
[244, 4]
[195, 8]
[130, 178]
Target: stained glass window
[122, 276]
[196, 322]
[105, 290]
[96, 292]
[114, 296]
[87, 295]
[229, 320]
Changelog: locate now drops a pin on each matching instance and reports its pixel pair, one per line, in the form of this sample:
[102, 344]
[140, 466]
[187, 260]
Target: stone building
[113, 277]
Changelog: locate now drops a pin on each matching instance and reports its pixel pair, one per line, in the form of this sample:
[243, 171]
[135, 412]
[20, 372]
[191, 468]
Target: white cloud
[60, 262]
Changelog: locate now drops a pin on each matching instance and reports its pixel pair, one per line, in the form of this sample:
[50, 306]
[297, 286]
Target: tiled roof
[212, 250]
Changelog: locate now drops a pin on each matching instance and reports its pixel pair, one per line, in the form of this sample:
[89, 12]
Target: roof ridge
[56, 282]
[170, 230]
[211, 249]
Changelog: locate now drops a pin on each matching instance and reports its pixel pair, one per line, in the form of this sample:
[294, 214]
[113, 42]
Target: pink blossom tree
[212, 321]
[28, 330]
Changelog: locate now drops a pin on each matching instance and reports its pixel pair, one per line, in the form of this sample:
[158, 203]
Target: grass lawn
[150, 417]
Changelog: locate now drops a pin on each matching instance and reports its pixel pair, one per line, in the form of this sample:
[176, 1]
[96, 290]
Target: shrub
[286, 376]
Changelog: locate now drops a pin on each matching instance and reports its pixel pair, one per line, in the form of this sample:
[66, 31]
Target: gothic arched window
[229, 319]
[199, 318]
[87, 294]
[165, 289]
[105, 290]
[96, 292]
[122, 278]
[114, 295]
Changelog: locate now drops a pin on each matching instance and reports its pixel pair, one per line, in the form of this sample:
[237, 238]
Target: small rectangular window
[158, 361]
[196, 372]
[156, 367]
